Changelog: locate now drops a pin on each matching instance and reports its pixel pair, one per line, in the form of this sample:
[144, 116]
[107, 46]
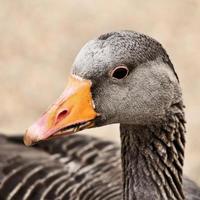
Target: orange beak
[72, 112]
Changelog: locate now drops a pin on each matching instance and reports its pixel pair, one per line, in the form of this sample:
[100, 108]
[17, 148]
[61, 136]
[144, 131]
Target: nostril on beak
[61, 115]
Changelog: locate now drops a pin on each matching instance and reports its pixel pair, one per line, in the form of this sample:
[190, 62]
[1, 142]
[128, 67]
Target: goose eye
[120, 72]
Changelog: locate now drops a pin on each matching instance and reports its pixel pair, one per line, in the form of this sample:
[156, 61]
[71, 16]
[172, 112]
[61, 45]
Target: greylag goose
[120, 77]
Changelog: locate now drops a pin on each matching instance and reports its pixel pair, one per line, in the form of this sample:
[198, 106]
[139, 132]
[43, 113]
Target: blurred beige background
[39, 40]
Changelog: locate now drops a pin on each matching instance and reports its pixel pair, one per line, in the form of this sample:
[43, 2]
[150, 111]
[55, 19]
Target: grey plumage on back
[77, 168]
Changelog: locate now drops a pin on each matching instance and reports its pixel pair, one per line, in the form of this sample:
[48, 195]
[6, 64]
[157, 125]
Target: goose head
[120, 77]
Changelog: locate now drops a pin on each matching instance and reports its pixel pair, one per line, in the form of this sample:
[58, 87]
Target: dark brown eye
[120, 72]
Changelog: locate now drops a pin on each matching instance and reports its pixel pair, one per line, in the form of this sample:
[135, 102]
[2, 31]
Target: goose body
[56, 170]
[120, 77]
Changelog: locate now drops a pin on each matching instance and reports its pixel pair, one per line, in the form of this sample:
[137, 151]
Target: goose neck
[152, 158]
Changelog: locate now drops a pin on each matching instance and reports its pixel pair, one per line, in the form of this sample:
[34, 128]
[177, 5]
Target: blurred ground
[39, 40]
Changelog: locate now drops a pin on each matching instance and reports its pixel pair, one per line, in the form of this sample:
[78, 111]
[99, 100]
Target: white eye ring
[119, 72]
